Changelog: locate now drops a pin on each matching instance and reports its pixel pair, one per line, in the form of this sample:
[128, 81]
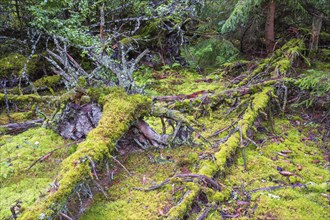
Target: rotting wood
[16, 128]
[241, 91]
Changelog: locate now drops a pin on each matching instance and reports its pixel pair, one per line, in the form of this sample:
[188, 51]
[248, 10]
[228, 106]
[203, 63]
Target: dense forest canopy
[164, 109]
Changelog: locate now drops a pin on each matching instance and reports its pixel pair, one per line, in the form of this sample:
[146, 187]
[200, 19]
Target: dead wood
[227, 149]
[277, 187]
[117, 161]
[236, 92]
[156, 139]
[186, 178]
[16, 128]
[48, 154]
[204, 214]
[180, 97]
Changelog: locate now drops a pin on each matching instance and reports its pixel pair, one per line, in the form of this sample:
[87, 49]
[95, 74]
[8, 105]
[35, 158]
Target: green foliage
[214, 52]
[64, 19]
[239, 14]
[318, 83]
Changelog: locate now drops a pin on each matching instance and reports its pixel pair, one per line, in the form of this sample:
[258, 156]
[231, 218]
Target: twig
[175, 133]
[93, 167]
[224, 129]
[204, 215]
[285, 101]
[117, 161]
[153, 187]
[252, 141]
[242, 147]
[163, 125]
[6, 101]
[101, 189]
[205, 179]
[65, 216]
[48, 154]
[277, 187]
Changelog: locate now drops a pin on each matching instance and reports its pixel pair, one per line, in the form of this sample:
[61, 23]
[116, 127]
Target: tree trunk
[316, 29]
[269, 28]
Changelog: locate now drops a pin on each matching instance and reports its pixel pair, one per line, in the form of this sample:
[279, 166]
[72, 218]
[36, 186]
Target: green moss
[227, 149]
[22, 150]
[292, 204]
[184, 205]
[217, 196]
[262, 171]
[13, 64]
[174, 82]
[17, 117]
[18, 153]
[119, 111]
[48, 81]
[126, 203]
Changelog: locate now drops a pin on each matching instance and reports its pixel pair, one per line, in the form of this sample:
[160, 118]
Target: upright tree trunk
[102, 22]
[316, 29]
[269, 28]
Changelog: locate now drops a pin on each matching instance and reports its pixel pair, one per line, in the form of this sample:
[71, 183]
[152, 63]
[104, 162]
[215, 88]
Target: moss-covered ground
[287, 143]
[18, 153]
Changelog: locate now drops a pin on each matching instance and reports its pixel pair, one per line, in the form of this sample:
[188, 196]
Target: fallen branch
[16, 128]
[119, 112]
[227, 149]
[244, 90]
[180, 97]
[204, 215]
[48, 154]
[277, 187]
[65, 216]
[117, 161]
[184, 177]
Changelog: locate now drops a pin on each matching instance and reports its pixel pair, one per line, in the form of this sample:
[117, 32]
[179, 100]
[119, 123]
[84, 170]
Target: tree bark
[16, 128]
[316, 29]
[269, 28]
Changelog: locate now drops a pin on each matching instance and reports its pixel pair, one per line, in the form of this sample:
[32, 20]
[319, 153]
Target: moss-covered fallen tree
[224, 155]
[119, 112]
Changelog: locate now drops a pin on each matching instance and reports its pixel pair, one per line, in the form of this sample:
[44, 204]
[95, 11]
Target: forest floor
[282, 172]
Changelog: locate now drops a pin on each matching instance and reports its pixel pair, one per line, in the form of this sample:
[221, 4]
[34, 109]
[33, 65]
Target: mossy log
[119, 112]
[215, 97]
[16, 128]
[26, 98]
[76, 96]
[42, 84]
[227, 150]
